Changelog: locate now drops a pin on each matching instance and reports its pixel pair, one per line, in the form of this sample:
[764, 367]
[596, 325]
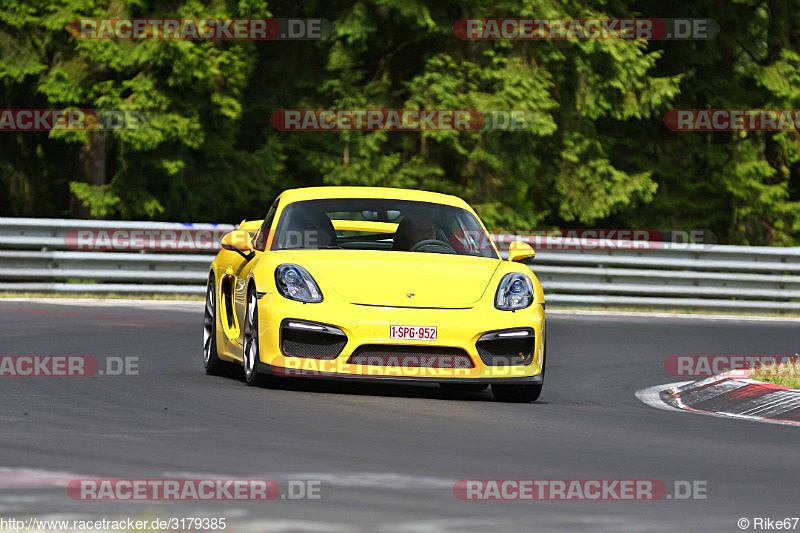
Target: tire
[516, 393]
[462, 387]
[250, 352]
[213, 364]
[522, 393]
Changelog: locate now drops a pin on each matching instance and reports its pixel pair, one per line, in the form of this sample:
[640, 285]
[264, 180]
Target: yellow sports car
[375, 284]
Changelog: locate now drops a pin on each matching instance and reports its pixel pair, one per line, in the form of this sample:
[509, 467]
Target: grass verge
[785, 374]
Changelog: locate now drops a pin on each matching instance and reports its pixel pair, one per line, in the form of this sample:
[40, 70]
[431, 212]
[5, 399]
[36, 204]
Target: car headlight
[294, 282]
[514, 292]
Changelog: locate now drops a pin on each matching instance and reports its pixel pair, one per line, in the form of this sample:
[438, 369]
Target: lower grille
[410, 356]
[310, 340]
[501, 349]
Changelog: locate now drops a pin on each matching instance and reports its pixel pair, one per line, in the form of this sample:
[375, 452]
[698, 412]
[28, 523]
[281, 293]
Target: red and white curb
[731, 395]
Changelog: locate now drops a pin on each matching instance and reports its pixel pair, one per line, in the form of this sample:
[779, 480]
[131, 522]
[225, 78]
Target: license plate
[424, 333]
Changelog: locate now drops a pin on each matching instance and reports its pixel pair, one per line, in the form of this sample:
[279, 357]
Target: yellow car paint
[365, 292]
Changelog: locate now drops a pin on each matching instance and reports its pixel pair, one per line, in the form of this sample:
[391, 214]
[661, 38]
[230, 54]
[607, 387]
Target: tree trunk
[91, 168]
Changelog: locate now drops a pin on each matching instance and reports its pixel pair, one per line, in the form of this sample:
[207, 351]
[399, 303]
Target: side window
[260, 242]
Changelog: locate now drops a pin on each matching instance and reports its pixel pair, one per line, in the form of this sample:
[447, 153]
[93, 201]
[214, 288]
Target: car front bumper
[458, 331]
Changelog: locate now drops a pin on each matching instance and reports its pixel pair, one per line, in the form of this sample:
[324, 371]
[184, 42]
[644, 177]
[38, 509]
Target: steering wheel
[428, 243]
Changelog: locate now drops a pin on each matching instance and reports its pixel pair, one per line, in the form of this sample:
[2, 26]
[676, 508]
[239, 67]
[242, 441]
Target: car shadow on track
[430, 391]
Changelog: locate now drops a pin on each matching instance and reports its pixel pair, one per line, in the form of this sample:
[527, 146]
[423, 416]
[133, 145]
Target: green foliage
[744, 186]
[100, 200]
[595, 152]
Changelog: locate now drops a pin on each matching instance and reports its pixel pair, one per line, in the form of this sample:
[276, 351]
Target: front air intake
[300, 338]
[512, 347]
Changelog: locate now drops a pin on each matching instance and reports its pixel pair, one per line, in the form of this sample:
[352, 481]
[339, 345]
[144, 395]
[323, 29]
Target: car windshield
[381, 224]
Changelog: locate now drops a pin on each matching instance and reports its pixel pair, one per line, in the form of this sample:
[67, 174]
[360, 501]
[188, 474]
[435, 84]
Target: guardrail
[46, 255]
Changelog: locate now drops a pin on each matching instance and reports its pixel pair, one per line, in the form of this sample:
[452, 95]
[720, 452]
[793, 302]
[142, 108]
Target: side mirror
[239, 241]
[522, 252]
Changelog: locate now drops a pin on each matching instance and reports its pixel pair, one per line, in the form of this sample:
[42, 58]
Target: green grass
[785, 374]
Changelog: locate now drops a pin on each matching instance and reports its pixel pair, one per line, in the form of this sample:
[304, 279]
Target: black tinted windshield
[380, 224]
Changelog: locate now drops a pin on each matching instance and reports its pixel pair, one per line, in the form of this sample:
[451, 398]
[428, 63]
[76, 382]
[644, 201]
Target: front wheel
[522, 393]
[213, 364]
[517, 393]
[251, 356]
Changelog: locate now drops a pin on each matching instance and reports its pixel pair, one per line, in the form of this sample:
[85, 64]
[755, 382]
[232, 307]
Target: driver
[412, 231]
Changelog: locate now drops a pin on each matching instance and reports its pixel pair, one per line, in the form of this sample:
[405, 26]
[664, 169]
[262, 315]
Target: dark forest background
[600, 155]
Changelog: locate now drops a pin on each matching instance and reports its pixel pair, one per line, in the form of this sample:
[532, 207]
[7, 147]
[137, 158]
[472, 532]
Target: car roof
[316, 193]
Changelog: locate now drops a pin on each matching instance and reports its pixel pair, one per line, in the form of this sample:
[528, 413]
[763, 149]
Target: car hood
[402, 279]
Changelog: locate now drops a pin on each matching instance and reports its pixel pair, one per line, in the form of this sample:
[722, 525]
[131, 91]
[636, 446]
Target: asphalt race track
[389, 455]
